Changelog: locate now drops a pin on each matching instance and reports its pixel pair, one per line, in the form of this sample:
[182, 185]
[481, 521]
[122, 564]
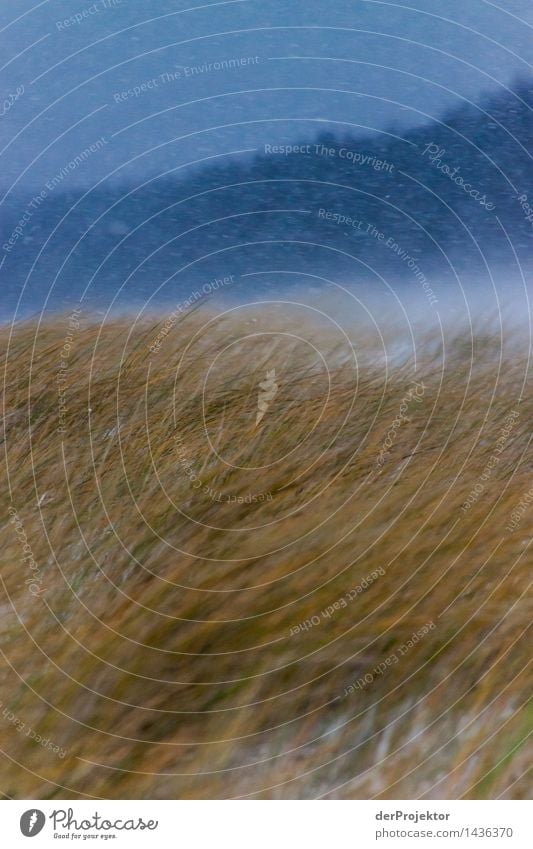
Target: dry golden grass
[152, 641]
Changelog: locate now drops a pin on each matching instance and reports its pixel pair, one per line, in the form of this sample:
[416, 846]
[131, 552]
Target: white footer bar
[267, 824]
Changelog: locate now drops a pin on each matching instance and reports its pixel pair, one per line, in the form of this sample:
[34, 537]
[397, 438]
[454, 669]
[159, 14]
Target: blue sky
[288, 68]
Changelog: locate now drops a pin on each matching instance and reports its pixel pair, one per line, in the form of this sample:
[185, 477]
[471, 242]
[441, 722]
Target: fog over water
[148, 152]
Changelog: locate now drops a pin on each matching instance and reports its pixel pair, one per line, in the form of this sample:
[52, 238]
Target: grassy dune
[214, 608]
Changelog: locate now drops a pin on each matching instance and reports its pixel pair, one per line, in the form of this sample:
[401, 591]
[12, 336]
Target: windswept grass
[177, 547]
